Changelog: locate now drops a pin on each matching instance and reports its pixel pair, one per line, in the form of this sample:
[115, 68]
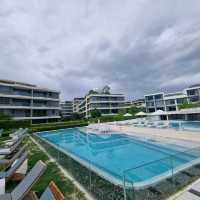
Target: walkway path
[160, 133]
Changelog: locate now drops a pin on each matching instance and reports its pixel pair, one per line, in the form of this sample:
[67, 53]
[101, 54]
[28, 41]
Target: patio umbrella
[127, 115]
[158, 113]
[141, 114]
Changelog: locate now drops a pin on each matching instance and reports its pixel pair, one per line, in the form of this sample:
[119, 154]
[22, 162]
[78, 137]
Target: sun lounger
[162, 124]
[8, 161]
[9, 150]
[19, 133]
[23, 188]
[192, 194]
[11, 142]
[51, 193]
[188, 196]
[14, 167]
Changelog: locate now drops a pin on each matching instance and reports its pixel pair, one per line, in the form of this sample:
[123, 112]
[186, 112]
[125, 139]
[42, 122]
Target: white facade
[76, 102]
[66, 108]
[24, 101]
[170, 102]
[107, 104]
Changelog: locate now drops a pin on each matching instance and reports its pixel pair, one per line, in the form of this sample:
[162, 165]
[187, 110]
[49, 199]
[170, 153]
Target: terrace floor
[159, 133]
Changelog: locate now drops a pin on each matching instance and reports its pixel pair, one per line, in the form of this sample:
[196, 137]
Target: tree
[76, 116]
[92, 92]
[133, 110]
[95, 113]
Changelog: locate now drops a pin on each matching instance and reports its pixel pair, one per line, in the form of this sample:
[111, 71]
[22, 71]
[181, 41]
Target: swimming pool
[187, 125]
[116, 156]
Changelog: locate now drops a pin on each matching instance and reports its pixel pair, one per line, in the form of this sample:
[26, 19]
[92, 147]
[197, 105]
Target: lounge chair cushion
[52, 193]
[14, 167]
[187, 196]
[47, 195]
[196, 187]
[24, 186]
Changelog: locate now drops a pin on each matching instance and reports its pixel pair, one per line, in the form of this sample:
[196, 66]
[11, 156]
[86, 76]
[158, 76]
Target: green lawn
[52, 173]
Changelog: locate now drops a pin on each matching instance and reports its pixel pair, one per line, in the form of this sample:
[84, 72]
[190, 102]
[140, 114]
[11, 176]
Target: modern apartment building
[76, 102]
[66, 108]
[169, 102]
[24, 101]
[139, 103]
[104, 101]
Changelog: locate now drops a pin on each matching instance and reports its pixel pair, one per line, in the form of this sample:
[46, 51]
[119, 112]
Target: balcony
[15, 105]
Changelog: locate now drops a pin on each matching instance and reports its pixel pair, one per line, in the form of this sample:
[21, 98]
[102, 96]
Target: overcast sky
[135, 46]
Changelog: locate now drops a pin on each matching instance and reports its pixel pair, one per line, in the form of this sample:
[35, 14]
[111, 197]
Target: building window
[159, 96]
[194, 99]
[149, 98]
[192, 92]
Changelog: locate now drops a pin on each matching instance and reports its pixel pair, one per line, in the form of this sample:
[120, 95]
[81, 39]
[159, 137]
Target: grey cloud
[136, 47]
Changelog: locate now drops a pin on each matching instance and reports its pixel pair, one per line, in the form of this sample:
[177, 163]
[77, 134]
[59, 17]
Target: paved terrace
[160, 133]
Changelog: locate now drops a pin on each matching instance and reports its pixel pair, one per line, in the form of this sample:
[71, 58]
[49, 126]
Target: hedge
[13, 124]
[53, 126]
[59, 123]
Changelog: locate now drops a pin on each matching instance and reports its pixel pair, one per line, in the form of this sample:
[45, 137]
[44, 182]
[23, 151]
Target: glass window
[194, 99]
[149, 98]
[158, 96]
[181, 100]
[192, 92]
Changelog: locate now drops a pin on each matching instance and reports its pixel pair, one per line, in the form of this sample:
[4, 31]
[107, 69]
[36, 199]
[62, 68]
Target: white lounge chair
[14, 167]
[51, 193]
[7, 150]
[24, 187]
[192, 194]
[8, 161]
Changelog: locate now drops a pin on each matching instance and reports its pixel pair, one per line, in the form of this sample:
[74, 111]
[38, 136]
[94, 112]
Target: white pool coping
[116, 181]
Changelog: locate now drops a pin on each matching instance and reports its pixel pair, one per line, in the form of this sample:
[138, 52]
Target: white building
[104, 101]
[170, 102]
[66, 108]
[76, 102]
[24, 101]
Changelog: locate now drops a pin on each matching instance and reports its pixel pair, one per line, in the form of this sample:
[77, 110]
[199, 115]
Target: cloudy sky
[135, 46]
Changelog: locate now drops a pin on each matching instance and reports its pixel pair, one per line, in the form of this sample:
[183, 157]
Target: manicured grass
[52, 173]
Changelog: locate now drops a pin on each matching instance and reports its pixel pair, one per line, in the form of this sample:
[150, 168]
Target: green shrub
[53, 126]
[95, 113]
[4, 116]
[59, 123]
[13, 124]
[189, 105]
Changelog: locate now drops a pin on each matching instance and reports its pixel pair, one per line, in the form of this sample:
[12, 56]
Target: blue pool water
[115, 154]
[187, 125]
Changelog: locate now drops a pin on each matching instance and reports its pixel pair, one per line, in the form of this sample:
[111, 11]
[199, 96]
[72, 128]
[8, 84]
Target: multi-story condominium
[169, 102]
[76, 102]
[66, 108]
[165, 102]
[24, 101]
[139, 103]
[193, 93]
[104, 101]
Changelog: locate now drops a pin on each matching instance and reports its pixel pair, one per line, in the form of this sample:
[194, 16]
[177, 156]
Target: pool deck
[160, 133]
